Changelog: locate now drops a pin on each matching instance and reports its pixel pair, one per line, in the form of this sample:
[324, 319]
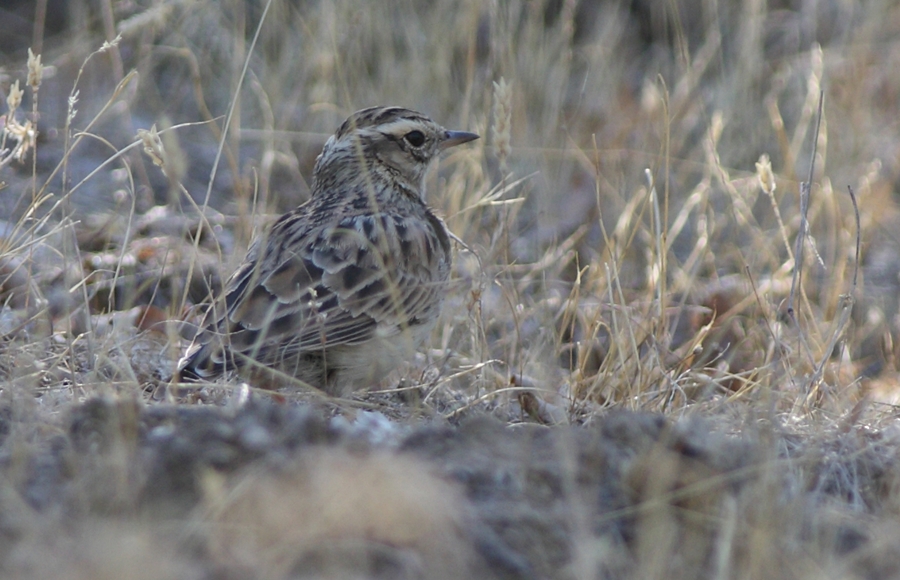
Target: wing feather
[339, 284]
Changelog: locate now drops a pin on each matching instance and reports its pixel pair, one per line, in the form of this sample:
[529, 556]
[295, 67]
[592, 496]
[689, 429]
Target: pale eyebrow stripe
[401, 127]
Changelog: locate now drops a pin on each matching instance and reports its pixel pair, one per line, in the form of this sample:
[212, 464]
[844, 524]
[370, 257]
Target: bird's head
[387, 142]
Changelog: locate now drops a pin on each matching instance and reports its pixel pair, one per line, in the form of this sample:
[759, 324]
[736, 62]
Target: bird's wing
[335, 284]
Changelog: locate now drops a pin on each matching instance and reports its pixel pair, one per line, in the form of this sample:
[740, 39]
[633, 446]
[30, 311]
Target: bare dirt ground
[616, 388]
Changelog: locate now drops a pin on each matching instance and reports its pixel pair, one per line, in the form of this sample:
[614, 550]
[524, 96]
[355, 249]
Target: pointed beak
[454, 138]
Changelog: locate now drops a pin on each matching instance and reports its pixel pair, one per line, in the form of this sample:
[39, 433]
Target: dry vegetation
[617, 387]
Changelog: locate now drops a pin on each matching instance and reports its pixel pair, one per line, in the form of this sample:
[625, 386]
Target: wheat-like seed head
[502, 120]
[35, 70]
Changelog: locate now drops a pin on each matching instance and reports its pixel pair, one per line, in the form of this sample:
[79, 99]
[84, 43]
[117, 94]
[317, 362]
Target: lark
[341, 290]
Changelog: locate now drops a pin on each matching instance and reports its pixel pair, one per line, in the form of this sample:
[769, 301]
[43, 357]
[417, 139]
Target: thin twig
[846, 308]
[858, 241]
[804, 207]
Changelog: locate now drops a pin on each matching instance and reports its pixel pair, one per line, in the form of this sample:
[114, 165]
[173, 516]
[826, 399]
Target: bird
[339, 291]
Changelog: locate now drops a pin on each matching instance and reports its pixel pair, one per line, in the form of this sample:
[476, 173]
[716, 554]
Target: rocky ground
[259, 489]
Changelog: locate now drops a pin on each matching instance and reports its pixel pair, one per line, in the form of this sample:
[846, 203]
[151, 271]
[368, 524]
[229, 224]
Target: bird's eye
[415, 138]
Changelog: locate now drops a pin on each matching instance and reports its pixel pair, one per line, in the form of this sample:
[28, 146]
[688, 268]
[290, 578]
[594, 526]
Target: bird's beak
[454, 138]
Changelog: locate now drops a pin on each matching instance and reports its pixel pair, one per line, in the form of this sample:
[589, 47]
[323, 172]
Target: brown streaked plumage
[340, 290]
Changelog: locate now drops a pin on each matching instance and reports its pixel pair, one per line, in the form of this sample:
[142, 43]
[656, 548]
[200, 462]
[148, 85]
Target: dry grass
[631, 228]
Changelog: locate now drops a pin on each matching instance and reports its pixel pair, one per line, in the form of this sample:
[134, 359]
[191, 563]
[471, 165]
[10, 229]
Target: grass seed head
[35, 70]
[764, 174]
[14, 99]
[153, 146]
[502, 120]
